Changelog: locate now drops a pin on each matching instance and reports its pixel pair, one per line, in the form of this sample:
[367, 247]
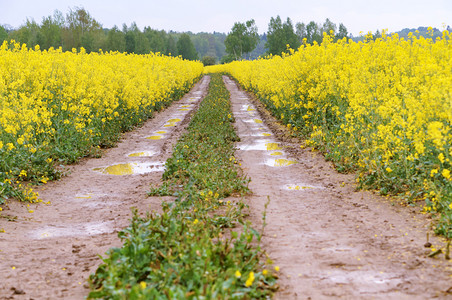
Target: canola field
[381, 108]
[56, 107]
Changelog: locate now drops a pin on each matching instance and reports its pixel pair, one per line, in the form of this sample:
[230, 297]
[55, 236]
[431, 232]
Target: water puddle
[174, 120]
[262, 145]
[154, 137]
[279, 162]
[363, 277]
[297, 187]
[86, 196]
[171, 122]
[247, 107]
[272, 146]
[92, 228]
[142, 154]
[131, 168]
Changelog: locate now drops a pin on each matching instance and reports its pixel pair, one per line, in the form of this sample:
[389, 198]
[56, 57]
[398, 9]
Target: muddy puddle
[172, 122]
[299, 187]
[145, 153]
[155, 137]
[131, 168]
[279, 162]
[260, 145]
[67, 230]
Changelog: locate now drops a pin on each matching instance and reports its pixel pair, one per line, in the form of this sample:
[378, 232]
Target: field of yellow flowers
[380, 107]
[56, 107]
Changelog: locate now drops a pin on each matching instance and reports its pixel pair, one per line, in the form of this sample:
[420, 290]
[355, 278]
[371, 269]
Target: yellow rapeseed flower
[250, 279]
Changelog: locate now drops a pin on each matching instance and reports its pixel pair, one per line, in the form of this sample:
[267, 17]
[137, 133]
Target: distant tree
[185, 47]
[260, 47]
[280, 35]
[116, 40]
[201, 43]
[300, 30]
[227, 59]
[242, 39]
[142, 45]
[3, 34]
[129, 38]
[51, 28]
[156, 39]
[377, 35]
[208, 60]
[342, 32]
[313, 33]
[81, 30]
[171, 48]
[329, 27]
[29, 33]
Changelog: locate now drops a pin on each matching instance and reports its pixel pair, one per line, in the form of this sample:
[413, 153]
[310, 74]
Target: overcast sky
[213, 15]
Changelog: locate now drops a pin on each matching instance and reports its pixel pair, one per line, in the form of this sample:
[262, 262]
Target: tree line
[79, 29]
[281, 36]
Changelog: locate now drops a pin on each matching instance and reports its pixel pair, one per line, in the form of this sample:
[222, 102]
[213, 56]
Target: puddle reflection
[131, 168]
[279, 162]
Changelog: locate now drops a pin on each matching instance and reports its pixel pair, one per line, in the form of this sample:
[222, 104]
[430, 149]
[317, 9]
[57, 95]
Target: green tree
[208, 60]
[242, 39]
[116, 40]
[51, 28]
[280, 35]
[129, 38]
[156, 39]
[300, 30]
[185, 47]
[171, 48]
[313, 33]
[329, 27]
[3, 34]
[81, 30]
[342, 32]
[29, 33]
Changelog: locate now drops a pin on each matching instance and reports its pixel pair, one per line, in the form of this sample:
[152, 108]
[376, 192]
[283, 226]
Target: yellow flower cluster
[381, 106]
[57, 106]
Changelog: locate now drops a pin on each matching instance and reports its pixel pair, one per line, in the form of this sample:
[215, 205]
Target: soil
[329, 239]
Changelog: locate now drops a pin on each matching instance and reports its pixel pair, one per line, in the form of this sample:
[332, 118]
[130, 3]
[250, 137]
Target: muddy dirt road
[329, 240]
[49, 253]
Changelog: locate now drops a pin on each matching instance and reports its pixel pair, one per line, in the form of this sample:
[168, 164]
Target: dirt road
[49, 253]
[330, 240]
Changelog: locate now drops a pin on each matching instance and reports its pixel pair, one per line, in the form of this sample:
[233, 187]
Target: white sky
[213, 15]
